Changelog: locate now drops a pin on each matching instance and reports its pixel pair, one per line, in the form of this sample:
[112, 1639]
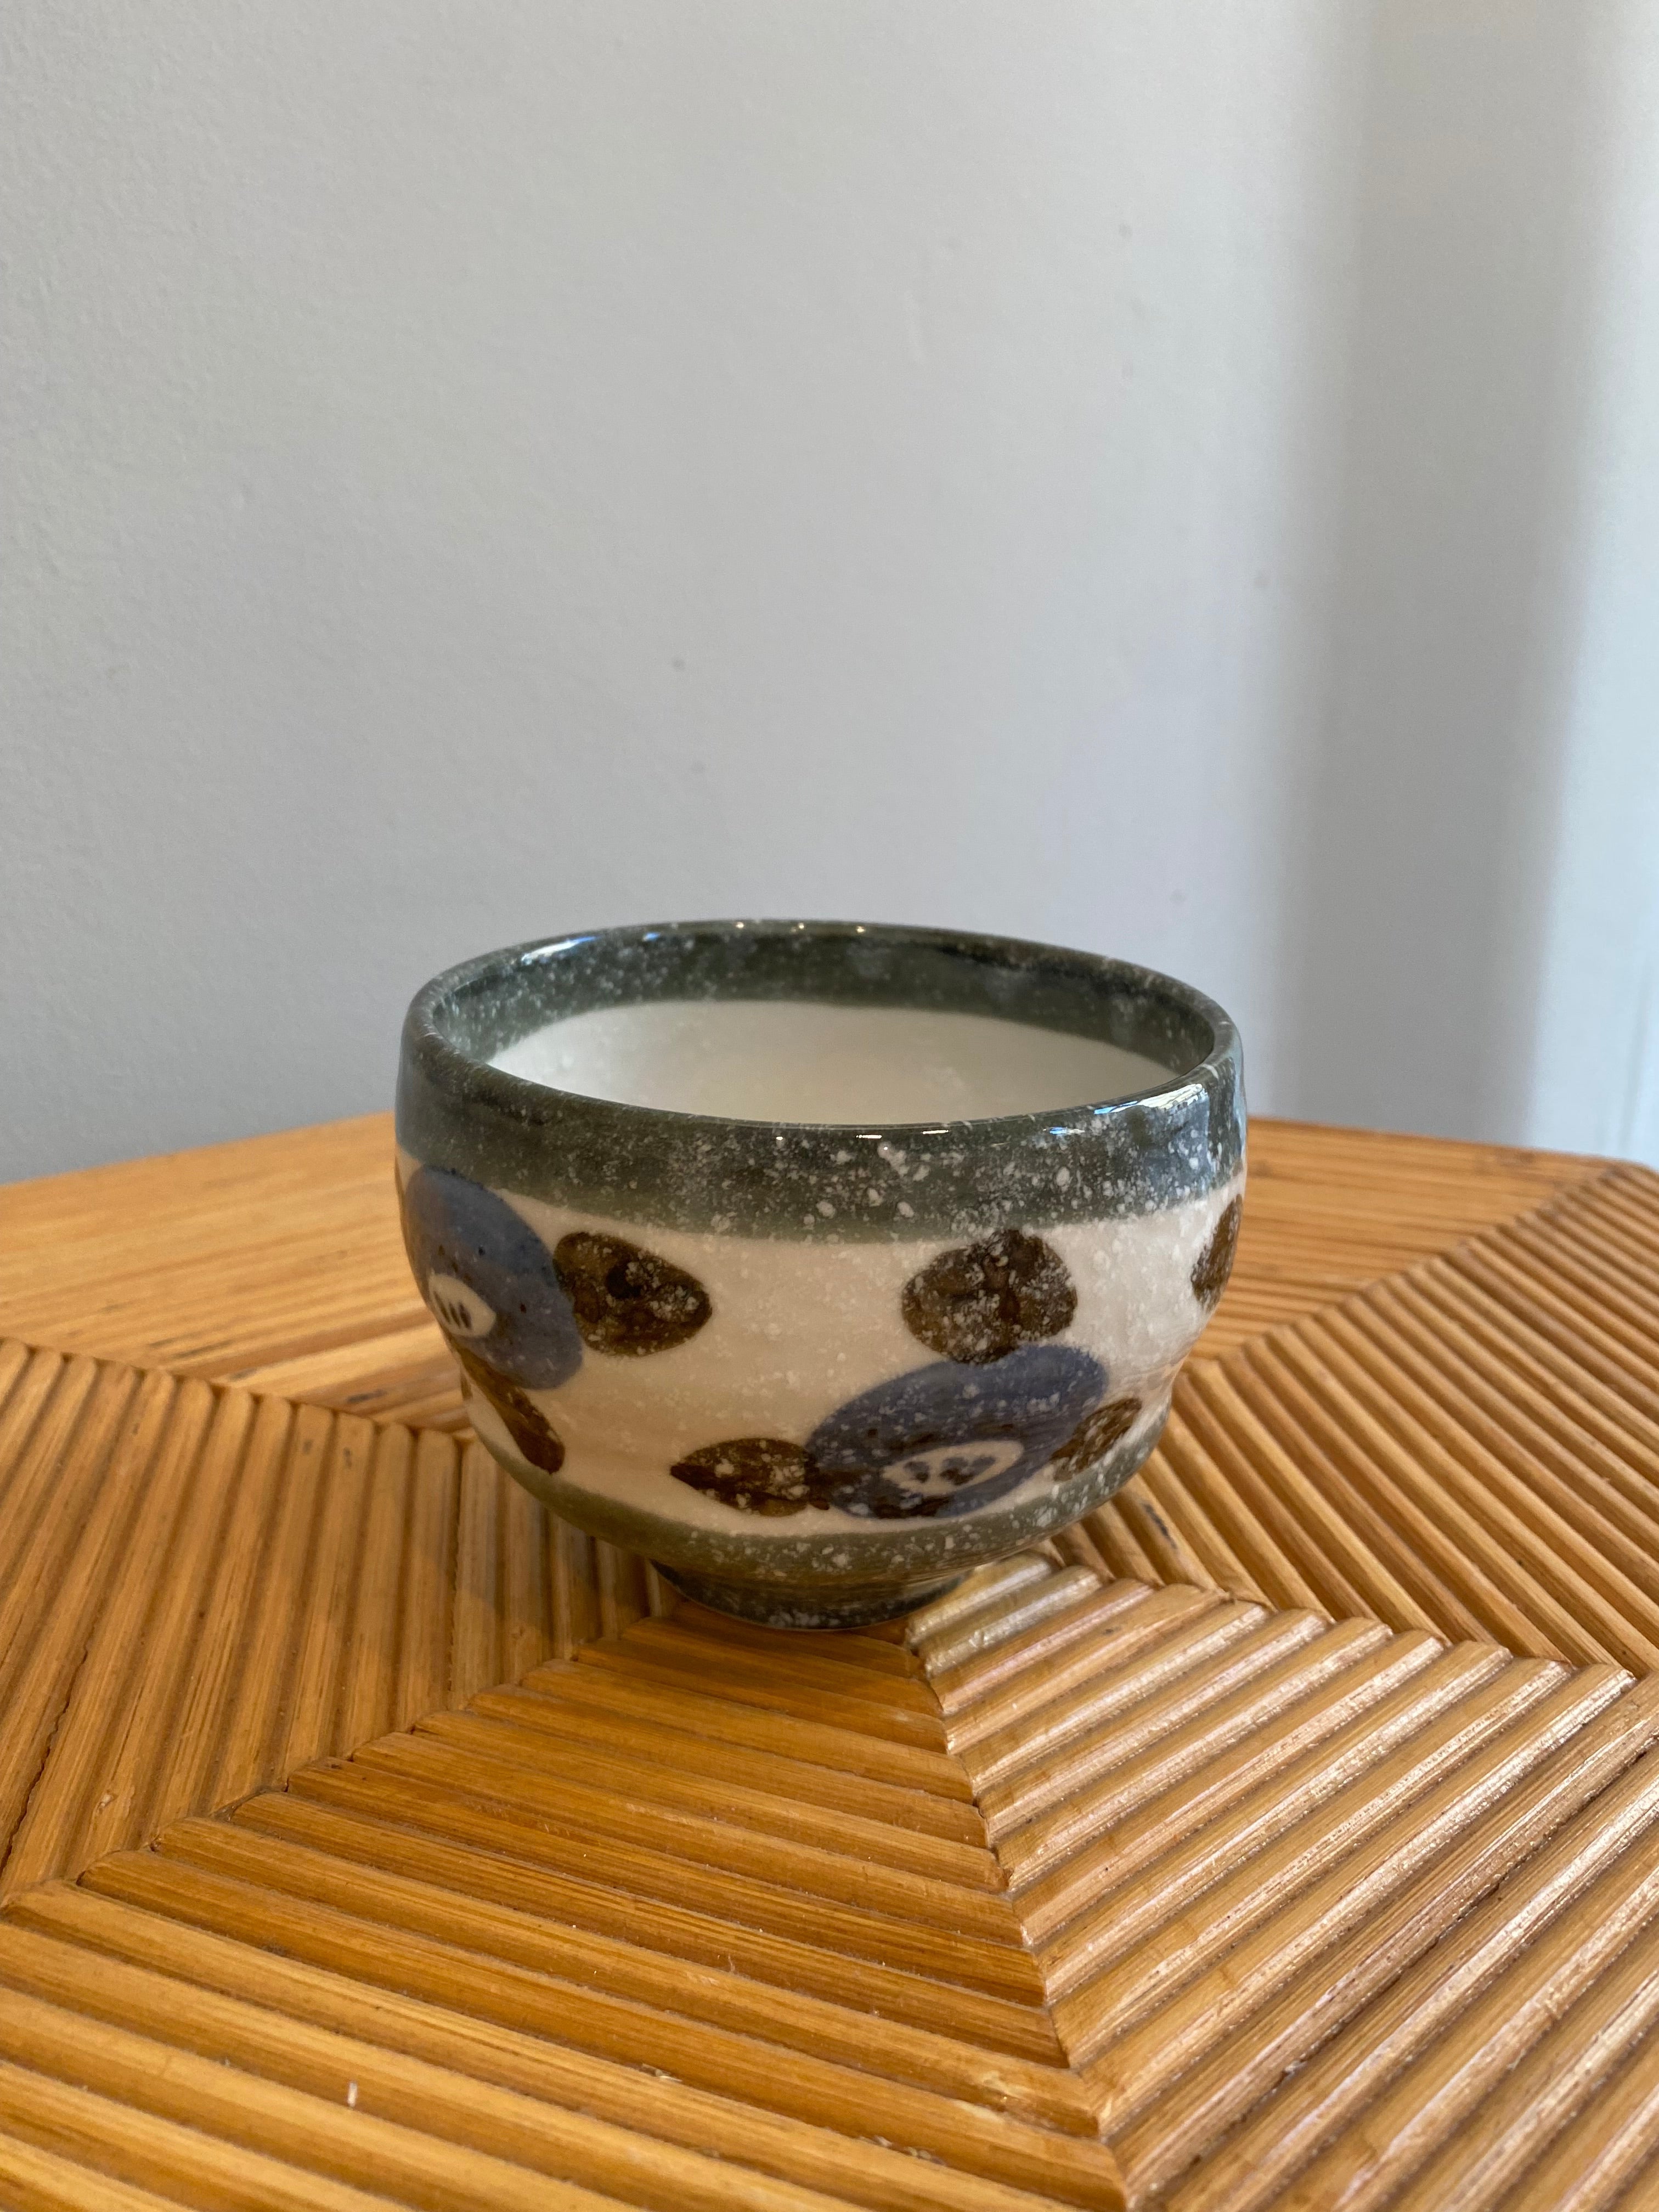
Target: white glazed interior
[808, 1060]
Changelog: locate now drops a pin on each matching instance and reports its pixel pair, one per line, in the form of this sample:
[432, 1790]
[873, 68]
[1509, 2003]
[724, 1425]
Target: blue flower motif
[489, 1281]
[946, 1440]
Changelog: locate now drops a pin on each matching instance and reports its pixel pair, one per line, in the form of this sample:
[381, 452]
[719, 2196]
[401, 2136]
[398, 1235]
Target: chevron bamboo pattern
[1286, 1836]
[1309, 1898]
[1470, 1447]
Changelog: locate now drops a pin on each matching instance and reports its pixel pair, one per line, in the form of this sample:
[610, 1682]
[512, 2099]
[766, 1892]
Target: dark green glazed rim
[828, 1184]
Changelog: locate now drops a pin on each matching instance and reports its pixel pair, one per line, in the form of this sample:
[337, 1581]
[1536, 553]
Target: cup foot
[857, 1607]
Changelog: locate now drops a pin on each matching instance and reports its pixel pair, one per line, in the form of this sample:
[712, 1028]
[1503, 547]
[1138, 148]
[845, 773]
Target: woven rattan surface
[1286, 1835]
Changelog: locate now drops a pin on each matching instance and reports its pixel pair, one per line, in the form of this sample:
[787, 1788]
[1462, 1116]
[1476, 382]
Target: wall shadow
[1430, 790]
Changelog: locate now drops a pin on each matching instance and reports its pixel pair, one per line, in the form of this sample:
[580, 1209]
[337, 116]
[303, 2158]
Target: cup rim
[426, 1034]
[823, 1181]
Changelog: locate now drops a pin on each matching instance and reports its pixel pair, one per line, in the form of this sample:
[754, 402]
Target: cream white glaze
[799, 1328]
[804, 1061]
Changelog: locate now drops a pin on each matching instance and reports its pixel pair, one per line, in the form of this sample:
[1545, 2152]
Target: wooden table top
[1286, 1835]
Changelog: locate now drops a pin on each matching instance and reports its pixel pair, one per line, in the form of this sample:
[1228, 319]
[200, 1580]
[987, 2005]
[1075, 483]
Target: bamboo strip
[1412, 1702]
[640, 1875]
[654, 1739]
[183, 1783]
[475, 2049]
[760, 1806]
[1159, 1538]
[1120, 1548]
[1202, 1539]
[559, 1803]
[848, 2100]
[428, 1581]
[1234, 1510]
[37, 2180]
[1437, 2124]
[1616, 1502]
[1035, 1709]
[1022, 1771]
[1312, 1742]
[1530, 1293]
[606, 1982]
[1319, 1559]
[1463, 1552]
[116, 2130]
[990, 1626]
[770, 1690]
[336, 2143]
[368, 1836]
[256, 1732]
[870, 1650]
[97, 1704]
[36, 1430]
[1568, 1587]
[1549, 1357]
[1406, 1542]
[984, 1587]
[1347, 1547]
[414, 2094]
[1612, 2143]
[1077, 1802]
[46, 1615]
[842, 1664]
[368, 1661]
[708, 1713]
[1374, 1837]
[1075, 1546]
[1338, 2073]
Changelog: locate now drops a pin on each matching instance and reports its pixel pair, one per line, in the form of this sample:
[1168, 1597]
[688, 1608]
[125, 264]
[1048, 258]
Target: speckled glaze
[815, 1372]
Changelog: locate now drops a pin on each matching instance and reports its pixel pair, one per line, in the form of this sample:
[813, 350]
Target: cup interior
[493, 1012]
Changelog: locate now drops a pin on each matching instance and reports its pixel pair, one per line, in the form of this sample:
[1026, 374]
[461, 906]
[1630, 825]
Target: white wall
[1102, 471]
[1595, 1074]
[1479, 913]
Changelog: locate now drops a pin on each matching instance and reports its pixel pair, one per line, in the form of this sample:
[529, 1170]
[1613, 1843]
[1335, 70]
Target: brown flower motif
[978, 1303]
[1094, 1437]
[755, 1475]
[1215, 1263]
[523, 1420]
[627, 1300]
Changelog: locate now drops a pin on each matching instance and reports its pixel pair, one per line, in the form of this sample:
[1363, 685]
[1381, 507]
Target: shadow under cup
[817, 1370]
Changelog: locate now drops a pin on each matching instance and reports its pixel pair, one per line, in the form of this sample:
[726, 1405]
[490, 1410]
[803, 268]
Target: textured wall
[1118, 473]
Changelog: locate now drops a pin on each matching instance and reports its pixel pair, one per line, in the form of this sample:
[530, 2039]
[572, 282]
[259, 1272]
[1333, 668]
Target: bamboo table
[1286, 1836]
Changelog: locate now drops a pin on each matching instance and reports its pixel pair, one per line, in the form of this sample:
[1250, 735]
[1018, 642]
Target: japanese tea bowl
[816, 1372]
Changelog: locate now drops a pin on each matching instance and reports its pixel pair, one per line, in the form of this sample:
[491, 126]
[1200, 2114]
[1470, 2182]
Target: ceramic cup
[817, 1371]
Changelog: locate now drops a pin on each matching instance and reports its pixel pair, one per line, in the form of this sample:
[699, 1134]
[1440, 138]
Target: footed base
[857, 1607]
